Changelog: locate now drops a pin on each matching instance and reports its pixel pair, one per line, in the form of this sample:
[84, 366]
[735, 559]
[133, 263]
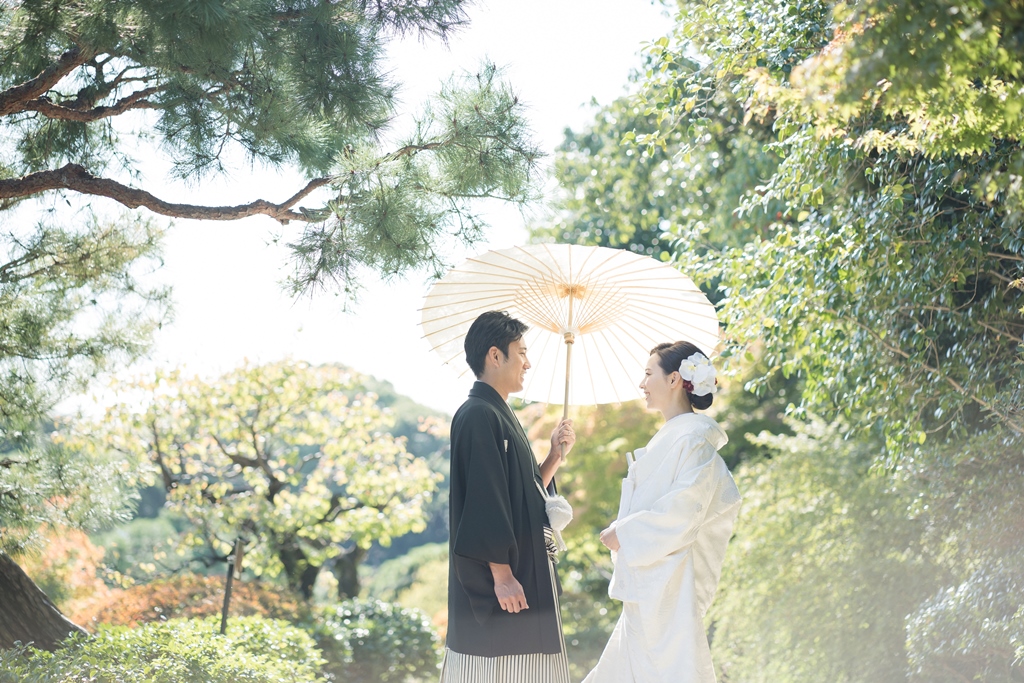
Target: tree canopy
[71, 306]
[300, 84]
[291, 457]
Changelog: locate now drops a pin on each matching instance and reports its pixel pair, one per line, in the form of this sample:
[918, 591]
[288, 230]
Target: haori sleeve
[672, 523]
[485, 532]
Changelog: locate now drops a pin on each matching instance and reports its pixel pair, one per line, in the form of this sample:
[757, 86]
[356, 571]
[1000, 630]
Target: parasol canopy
[602, 309]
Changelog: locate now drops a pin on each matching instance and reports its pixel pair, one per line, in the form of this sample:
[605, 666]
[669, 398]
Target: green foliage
[51, 484]
[974, 629]
[375, 642]
[973, 499]
[429, 592]
[71, 306]
[825, 565]
[425, 432]
[827, 288]
[588, 615]
[617, 194]
[288, 85]
[929, 77]
[255, 650]
[418, 579]
[279, 454]
[395, 212]
[143, 546]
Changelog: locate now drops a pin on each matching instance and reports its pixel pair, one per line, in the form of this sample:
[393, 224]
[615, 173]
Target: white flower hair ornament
[698, 375]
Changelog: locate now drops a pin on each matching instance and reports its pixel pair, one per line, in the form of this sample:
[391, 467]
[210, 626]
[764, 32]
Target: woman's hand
[610, 538]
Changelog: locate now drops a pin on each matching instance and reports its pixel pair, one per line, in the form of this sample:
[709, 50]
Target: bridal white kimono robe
[675, 518]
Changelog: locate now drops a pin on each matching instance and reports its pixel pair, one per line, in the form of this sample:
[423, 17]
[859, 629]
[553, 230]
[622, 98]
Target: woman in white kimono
[675, 518]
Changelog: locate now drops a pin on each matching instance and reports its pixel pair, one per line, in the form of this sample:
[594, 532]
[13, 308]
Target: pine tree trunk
[26, 614]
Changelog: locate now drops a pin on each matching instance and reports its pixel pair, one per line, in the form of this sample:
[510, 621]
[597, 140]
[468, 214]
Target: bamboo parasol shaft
[570, 340]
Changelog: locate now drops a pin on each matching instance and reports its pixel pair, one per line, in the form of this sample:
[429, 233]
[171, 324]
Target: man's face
[512, 370]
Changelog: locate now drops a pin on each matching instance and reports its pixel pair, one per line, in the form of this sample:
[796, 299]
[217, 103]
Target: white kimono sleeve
[673, 521]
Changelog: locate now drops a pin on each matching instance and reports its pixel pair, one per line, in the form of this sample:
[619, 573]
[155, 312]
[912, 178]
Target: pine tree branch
[12, 100]
[76, 178]
[412, 150]
[49, 109]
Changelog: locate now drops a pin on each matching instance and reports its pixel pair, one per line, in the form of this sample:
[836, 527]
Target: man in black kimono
[503, 621]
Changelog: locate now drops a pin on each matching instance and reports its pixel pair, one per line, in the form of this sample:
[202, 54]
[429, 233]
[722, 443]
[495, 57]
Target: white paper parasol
[600, 309]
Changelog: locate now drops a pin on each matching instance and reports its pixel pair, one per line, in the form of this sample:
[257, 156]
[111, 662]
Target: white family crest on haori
[603, 308]
[699, 371]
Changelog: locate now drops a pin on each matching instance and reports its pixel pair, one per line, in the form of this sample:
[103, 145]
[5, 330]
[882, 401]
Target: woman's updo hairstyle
[670, 355]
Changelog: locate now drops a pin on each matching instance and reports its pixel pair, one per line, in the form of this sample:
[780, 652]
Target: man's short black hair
[493, 328]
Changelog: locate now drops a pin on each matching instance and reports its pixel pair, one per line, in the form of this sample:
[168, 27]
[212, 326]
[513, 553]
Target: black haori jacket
[496, 514]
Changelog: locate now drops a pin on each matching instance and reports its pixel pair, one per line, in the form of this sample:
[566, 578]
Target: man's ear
[494, 355]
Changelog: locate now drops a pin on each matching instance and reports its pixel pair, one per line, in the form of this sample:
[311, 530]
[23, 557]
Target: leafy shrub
[976, 627]
[369, 641]
[144, 545]
[189, 595]
[255, 650]
[429, 593]
[418, 579]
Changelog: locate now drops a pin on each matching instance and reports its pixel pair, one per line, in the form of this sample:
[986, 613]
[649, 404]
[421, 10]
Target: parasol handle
[570, 339]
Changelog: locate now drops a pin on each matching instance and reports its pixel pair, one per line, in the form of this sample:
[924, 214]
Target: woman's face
[657, 386]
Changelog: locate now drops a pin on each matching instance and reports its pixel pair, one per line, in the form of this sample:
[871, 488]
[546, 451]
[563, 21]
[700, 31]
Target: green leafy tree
[831, 295]
[286, 455]
[300, 84]
[71, 306]
[617, 194]
[891, 282]
[885, 272]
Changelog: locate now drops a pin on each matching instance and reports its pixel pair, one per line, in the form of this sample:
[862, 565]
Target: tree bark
[56, 111]
[75, 177]
[26, 614]
[301, 575]
[13, 99]
[346, 570]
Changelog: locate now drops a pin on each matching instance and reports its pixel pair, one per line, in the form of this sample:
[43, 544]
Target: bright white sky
[229, 304]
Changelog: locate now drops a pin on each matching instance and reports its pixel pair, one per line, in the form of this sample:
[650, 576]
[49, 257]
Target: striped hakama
[532, 668]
